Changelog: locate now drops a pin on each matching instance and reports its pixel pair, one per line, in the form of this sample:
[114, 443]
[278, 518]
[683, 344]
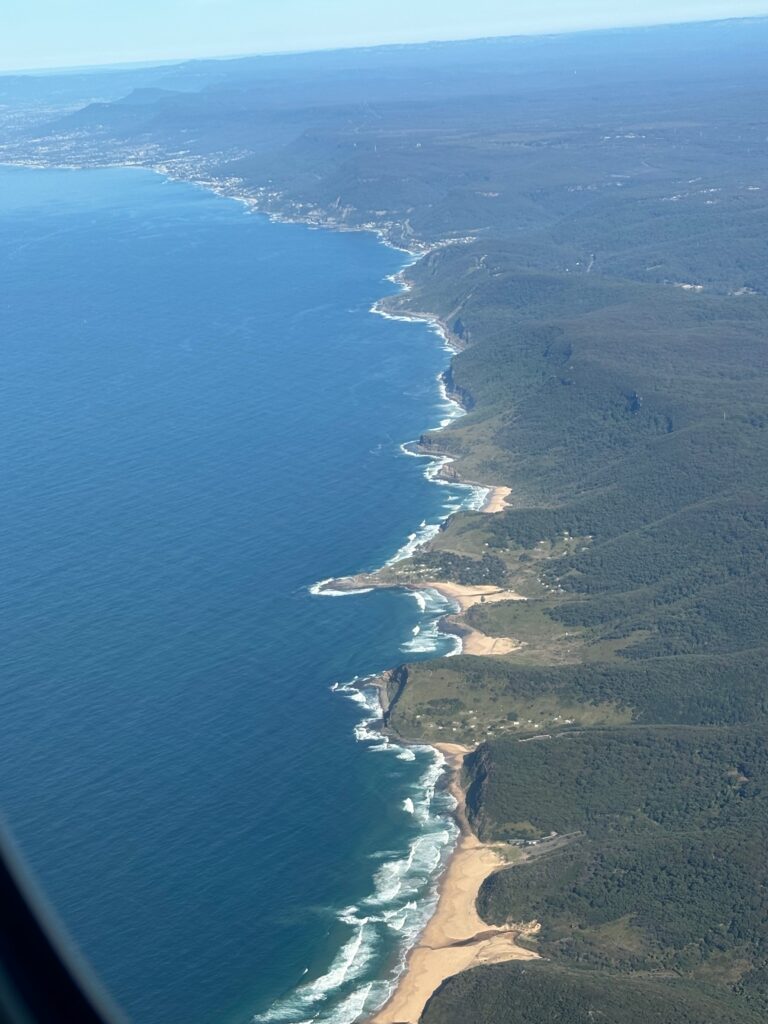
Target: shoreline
[467, 596]
[473, 641]
[497, 500]
[455, 938]
[442, 948]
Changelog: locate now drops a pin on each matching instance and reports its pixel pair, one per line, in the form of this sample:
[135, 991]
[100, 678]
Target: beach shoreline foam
[455, 937]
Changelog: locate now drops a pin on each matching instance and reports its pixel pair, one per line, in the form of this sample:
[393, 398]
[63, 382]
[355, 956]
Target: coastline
[466, 596]
[455, 937]
[472, 640]
[497, 500]
[465, 861]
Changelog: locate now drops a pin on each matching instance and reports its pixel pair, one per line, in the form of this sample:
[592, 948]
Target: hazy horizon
[85, 42]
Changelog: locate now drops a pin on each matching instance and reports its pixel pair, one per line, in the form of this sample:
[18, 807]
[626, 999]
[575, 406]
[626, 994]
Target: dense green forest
[549, 994]
[593, 213]
[666, 867]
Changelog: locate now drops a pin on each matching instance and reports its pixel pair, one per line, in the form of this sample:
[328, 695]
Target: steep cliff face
[477, 768]
[455, 391]
[396, 683]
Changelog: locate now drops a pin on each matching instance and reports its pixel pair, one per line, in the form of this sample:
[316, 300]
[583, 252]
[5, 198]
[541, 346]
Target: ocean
[200, 418]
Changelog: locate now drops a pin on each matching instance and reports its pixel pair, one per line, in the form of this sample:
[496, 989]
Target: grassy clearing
[443, 702]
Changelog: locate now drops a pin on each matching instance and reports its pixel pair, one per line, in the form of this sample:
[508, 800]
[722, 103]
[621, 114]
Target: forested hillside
[665, 869]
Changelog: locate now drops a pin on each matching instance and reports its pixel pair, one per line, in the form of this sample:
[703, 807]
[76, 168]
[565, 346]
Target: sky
[66, 33]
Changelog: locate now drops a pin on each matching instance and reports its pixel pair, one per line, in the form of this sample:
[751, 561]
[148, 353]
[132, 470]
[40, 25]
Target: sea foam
[404, 886]
[320, 589]
[403, 892]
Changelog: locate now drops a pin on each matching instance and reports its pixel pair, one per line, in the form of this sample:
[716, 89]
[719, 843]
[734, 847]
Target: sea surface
[199, 419]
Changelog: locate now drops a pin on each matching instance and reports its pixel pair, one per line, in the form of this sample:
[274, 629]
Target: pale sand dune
[456, 938]
[497, 499]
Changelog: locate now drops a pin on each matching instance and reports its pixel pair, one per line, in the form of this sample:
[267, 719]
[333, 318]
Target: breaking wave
[382, 927]
[403, 893]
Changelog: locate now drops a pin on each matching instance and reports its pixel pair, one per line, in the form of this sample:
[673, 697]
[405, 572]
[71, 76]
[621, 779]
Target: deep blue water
[198, 419]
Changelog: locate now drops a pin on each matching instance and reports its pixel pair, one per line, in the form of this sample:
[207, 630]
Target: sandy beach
[456, 938]
[475, 642]
[466, 596]
[472, 640]
[497, 499]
